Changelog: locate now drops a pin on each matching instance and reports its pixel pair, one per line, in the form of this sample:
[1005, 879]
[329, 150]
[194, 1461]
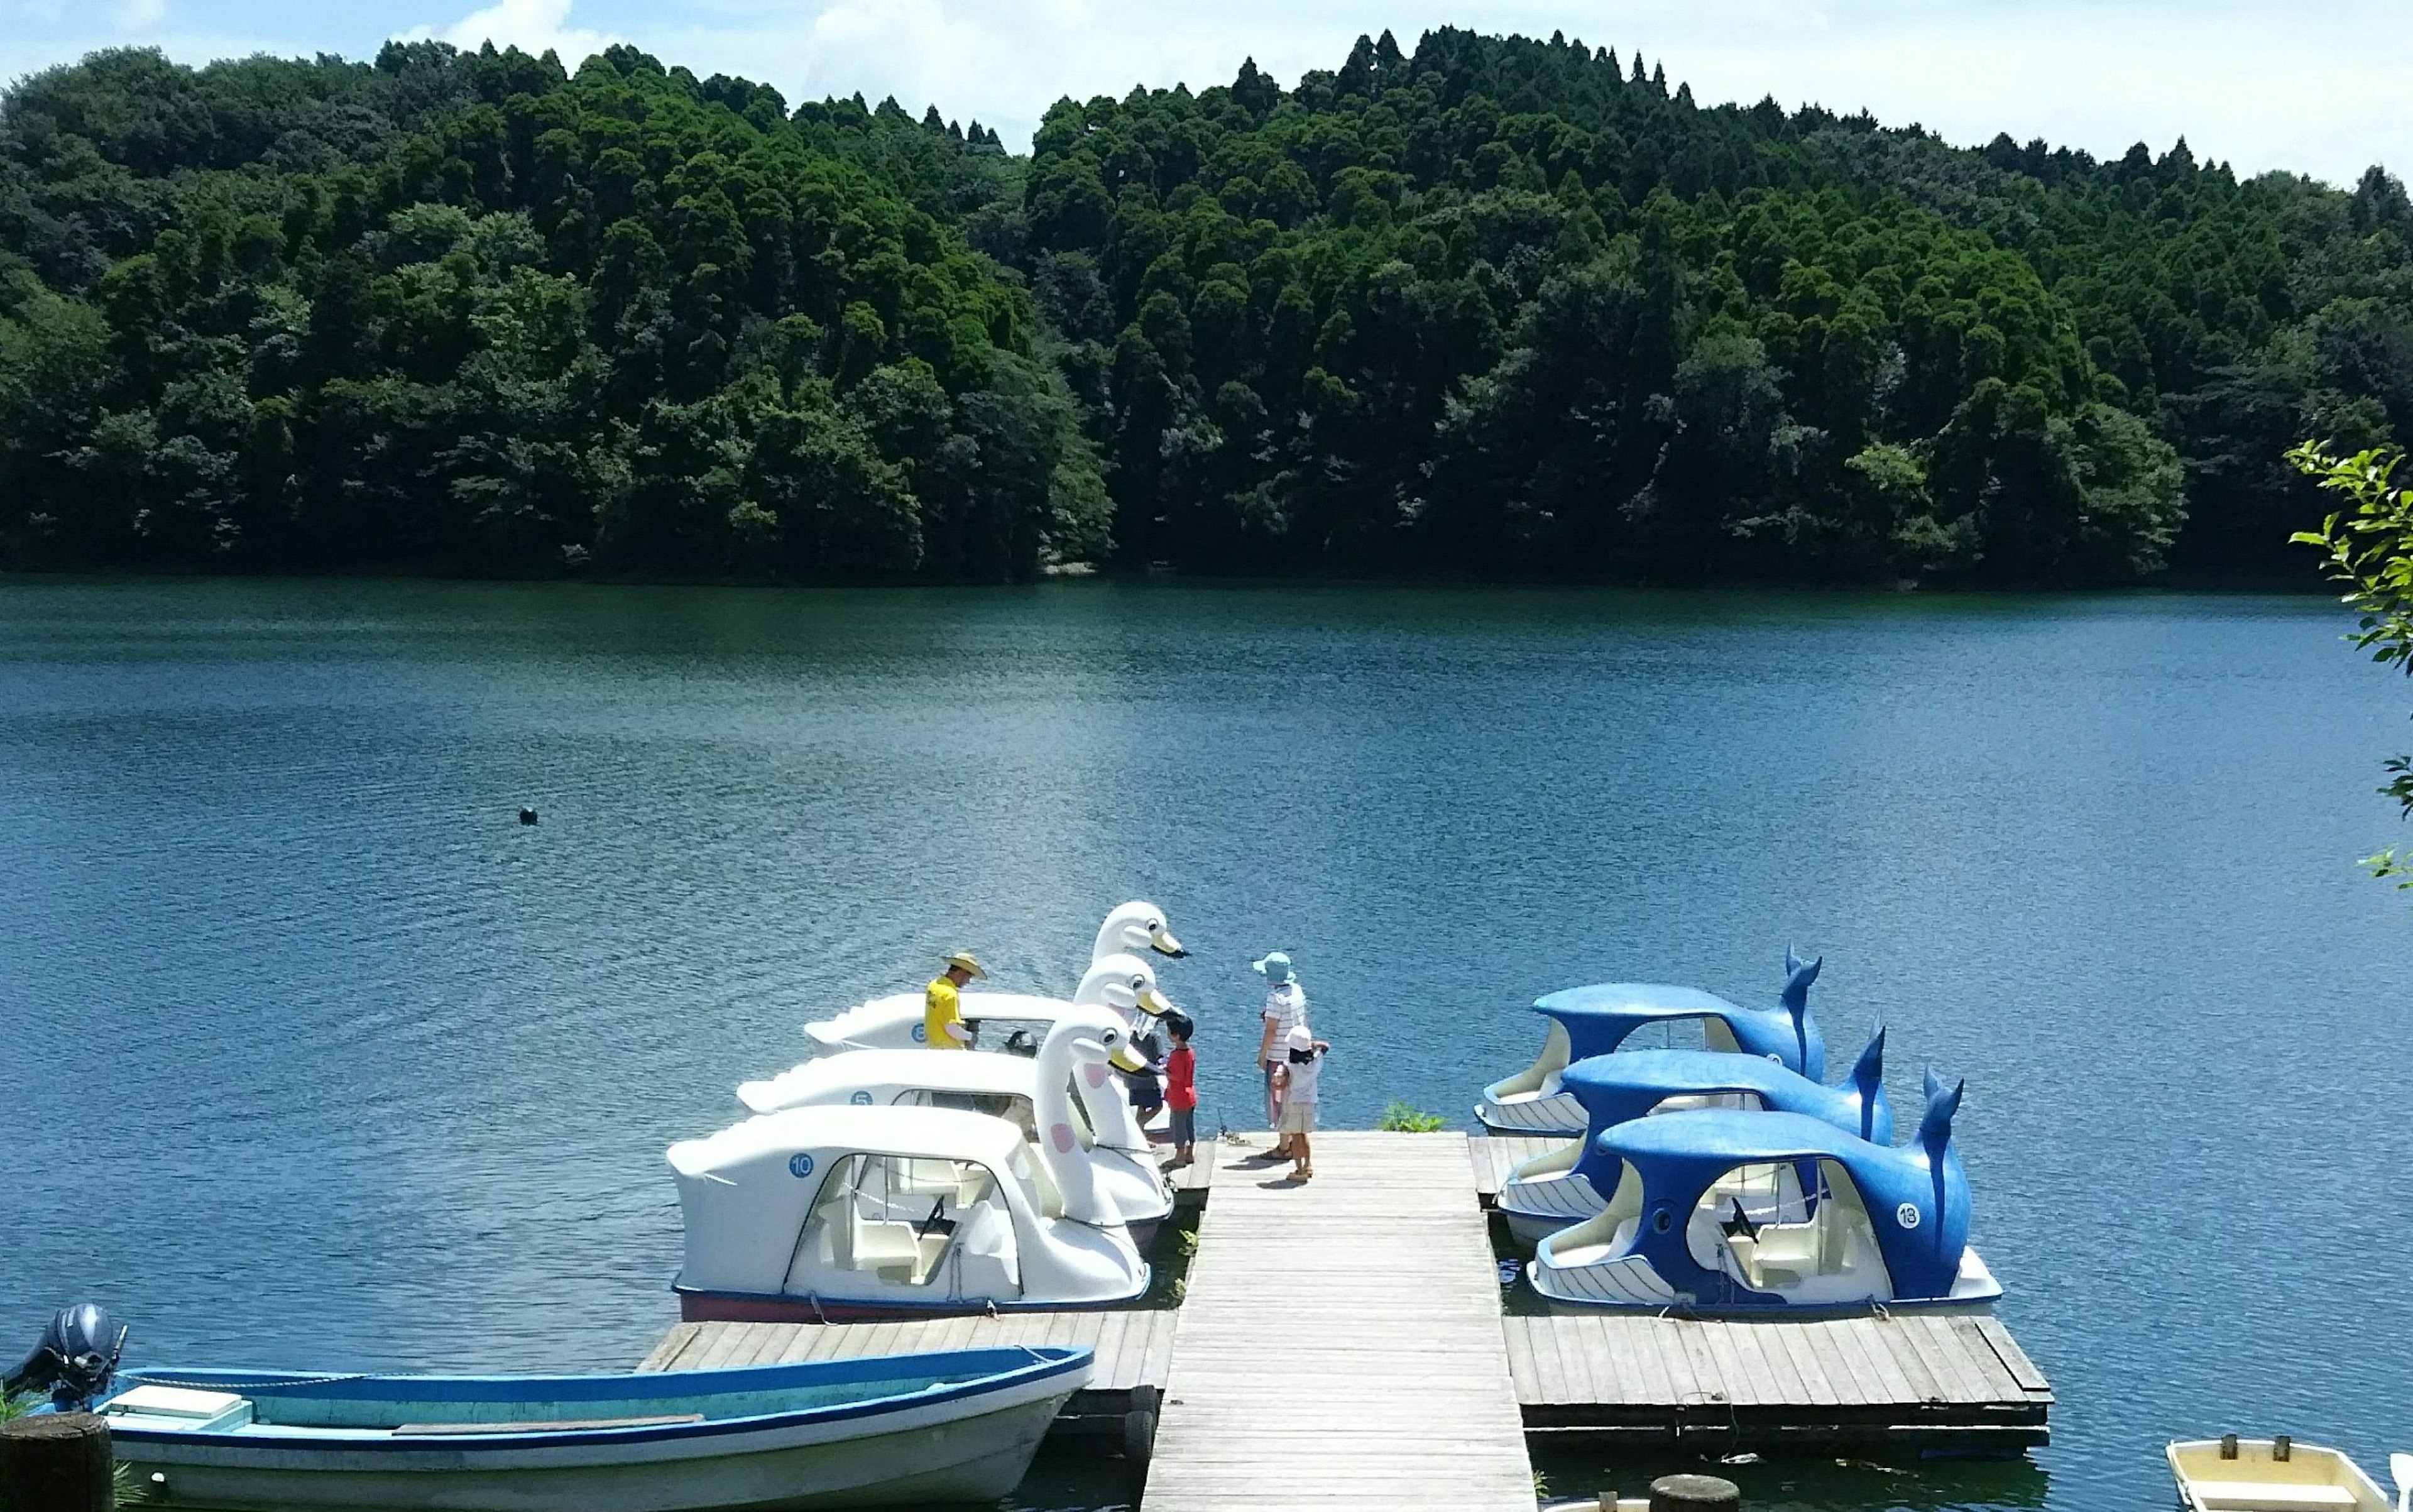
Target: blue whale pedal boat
[1572, 1182]
[1868, 1226]
[899, 1430]
[1596, 1020]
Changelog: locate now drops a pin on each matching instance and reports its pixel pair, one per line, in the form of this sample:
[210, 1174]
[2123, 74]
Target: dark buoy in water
[1694, 1493]
[527, 816]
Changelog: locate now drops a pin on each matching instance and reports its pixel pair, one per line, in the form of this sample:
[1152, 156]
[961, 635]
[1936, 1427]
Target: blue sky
[2316, 87]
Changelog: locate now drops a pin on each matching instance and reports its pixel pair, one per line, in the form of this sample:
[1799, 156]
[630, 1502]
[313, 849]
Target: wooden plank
[1520, 1332]
[1682, 1345]
[1646, 1356]
[1386, 1347]
[1869, 1362]
[2014, 1358]
[1919, 1334]
[1970, 1368]
[1769, 1376]
[665, 1353]
[725, 1339]
[1114, 1365]
[1550, 1369]
[1881, 1336]
[1817, 1389]
[1160, 1353]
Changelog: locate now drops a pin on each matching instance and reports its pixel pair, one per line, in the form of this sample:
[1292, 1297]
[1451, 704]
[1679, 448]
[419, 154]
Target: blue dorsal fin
[1935, 1128]
[1867, 1080]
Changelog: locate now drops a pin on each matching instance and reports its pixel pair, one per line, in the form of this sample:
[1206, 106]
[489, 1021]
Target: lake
[315, 1056]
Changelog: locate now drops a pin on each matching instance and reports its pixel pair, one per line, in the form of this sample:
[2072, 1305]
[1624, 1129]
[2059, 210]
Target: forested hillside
[1500, 305]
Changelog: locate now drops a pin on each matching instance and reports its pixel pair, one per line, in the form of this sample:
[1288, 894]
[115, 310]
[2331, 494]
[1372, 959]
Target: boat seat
[2264, 1496]
[884, 1245]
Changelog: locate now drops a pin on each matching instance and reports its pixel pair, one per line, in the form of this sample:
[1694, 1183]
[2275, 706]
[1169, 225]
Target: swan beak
[1153, 1003]
[1163, 944]
[1127, 1059]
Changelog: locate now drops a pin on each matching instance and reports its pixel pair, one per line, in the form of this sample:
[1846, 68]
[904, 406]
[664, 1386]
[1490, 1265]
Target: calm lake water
[312, 1055]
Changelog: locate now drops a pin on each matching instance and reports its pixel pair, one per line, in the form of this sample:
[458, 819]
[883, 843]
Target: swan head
[1136, 926]
[1098, 1037]
[1121, 982]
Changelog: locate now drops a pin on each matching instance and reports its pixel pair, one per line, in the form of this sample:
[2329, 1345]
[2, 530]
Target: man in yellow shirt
[943, 1009]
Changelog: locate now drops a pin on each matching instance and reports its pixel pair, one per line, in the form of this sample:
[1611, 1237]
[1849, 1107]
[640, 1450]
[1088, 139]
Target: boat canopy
[1616, 1087]
[871, 1024]
[974, 1075]
[1598, 1019]
[912, 1132]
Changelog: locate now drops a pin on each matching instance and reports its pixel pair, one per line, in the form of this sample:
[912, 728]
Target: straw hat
[964, 960]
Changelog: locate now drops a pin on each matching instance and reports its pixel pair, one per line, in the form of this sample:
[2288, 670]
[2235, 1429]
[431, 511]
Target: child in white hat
[1296, 1075]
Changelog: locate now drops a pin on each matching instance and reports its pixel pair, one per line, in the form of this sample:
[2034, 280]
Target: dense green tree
[464, 310]
[1491, 305]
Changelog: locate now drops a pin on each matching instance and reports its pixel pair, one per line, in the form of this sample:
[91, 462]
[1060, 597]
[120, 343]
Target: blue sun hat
[1274, 967]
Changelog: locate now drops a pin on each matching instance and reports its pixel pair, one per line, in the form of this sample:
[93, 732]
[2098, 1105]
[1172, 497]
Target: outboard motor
[75, 1361]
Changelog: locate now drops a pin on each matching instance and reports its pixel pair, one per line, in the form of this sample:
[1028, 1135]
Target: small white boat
[2278, 1475]
[899, 1430]
[1035, 1094]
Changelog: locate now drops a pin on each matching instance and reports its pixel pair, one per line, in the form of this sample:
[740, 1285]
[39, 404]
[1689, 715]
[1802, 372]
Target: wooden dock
[1340, 1344]
[1365, 1309]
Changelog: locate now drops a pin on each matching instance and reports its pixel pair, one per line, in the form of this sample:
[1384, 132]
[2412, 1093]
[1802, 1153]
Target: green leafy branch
[2369, 547]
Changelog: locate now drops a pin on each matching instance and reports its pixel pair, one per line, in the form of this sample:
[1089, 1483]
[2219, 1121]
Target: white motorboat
[2278, 1475]
[1034, 1093]
[855, 1211]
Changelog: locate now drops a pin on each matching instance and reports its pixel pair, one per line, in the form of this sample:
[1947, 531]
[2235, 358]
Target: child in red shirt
[1181, 1087]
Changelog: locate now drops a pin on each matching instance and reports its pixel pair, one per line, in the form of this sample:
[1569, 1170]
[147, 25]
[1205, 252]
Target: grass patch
[1406, 1118]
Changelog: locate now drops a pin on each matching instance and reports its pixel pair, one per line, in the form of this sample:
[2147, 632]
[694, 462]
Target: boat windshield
[911, 1222]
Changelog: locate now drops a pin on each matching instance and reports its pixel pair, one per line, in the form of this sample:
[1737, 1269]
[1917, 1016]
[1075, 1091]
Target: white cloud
[530, 25]
[141, 15]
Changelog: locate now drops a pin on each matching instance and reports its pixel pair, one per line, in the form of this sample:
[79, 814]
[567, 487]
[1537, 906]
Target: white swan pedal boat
[893, 1022]
[1037, 1094]
[842, 1214]
[2277, 1475]
[899, 1430]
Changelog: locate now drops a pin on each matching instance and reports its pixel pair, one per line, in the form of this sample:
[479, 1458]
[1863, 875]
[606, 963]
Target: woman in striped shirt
[1285, 1009]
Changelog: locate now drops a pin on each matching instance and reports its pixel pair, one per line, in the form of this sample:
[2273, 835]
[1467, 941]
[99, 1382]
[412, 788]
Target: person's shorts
[1298, 1118]
[1185, 1125]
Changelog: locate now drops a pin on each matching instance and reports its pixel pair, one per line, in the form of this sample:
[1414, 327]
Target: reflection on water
[1811, 1484]
[315, 1056]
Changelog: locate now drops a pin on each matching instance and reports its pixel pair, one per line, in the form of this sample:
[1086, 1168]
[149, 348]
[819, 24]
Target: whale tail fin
[1798, 977]
[1867, 1080]
[1935, 1128]
[1798, 974]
